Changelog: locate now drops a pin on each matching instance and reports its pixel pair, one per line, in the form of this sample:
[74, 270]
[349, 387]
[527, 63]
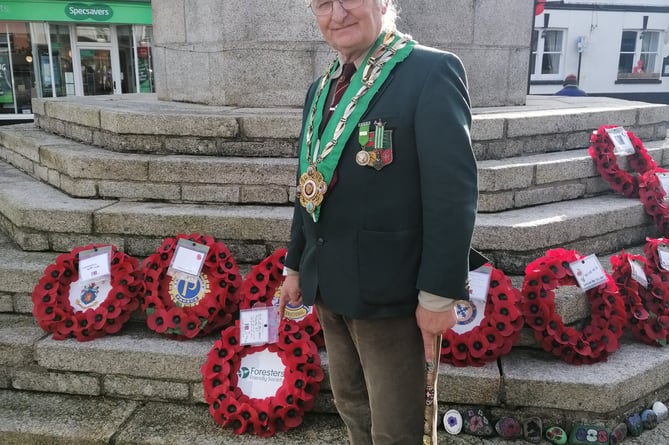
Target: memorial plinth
[252, 53]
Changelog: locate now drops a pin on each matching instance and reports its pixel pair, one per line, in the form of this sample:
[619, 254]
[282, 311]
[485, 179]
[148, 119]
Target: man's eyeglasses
[324, 7]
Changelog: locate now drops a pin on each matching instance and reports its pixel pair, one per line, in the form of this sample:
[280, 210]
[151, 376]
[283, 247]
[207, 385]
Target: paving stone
[556, 224]
[18, 334]
[6, 303]
[159, 219]
[134, 388]
[31, 204]
[39, 379]
[188, 424]
[469, 385]
[46, 419]
[628, 374]
[135, 352]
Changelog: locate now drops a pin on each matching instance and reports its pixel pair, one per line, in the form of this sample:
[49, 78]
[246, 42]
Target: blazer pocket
[388, 266]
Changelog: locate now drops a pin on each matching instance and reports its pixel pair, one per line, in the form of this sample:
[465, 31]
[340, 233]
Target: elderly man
[384, 214]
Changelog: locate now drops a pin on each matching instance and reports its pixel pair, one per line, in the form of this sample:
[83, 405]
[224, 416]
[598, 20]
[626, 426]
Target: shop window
[17, 75]
[93, 34]
[61, 51]
[547, 54]
[639, 55]
[145, 59]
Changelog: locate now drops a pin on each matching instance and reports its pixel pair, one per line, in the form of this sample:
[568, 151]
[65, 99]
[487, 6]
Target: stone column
[253, 53]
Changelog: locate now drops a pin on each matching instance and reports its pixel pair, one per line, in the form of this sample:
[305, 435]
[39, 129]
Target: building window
[639, 55]
[547, 54]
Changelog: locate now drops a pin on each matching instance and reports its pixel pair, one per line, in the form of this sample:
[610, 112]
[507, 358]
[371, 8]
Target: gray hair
[390, 18]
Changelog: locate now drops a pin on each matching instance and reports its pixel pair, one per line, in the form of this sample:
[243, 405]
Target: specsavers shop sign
[82, 11]
[112, 11]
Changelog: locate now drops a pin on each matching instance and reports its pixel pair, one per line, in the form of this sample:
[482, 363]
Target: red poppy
[190, 325]
[157, 320]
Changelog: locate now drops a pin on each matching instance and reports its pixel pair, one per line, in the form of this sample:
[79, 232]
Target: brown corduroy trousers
[377, 372]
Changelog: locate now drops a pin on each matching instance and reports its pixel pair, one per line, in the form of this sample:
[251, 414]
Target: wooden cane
[431, 411]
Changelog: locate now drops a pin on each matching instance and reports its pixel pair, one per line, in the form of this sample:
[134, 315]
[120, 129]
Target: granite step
[40, 218]
[142, 123]
[525, 181]
[86, 171]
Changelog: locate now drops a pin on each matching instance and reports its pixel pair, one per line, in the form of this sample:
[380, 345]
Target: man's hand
[432, 324]
[290, 293]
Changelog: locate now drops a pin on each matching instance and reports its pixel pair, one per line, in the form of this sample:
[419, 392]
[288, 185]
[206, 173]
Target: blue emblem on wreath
[465, 311]
[188, 292]
[89, 294]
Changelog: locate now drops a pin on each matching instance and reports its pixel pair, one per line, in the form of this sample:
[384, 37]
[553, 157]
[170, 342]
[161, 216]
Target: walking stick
[431, 411]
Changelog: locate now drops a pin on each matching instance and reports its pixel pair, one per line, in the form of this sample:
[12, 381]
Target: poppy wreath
[183, 310]
[51, 297]
[498, 331]
[598, 338]
[231, 407]
[647, 310]
[621, 181]
[263, 284]
[652, 196]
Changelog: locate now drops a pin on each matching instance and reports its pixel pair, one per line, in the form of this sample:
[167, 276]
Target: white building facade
[616, 48]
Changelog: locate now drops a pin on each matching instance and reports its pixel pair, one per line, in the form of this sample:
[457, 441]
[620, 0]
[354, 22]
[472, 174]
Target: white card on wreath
[638, 274]
[621, 141]
[95, 264]
[588, 272]
[663, 251]
[664, 182]
[258, 325]
[188, 258]
[470, 313]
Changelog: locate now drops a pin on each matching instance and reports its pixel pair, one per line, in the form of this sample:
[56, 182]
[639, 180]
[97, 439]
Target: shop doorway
[96, 51]
[97, 75]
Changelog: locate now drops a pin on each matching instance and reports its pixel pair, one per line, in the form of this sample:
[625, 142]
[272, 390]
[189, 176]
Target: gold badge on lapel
[376, 147]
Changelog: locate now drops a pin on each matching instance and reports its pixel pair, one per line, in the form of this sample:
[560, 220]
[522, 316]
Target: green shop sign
[82, 11]
[136, 12]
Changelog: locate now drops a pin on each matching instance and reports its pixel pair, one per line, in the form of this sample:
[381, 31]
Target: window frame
[538, 52]
[655, 71]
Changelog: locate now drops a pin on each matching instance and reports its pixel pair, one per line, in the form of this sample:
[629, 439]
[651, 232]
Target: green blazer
[384, 234]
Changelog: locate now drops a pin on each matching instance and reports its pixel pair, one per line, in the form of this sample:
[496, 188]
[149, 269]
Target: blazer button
[320, 241]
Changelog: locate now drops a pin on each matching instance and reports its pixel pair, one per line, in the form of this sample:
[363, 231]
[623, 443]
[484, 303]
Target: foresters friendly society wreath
[622, 182]
[262, 287]
[185, 309]
[67, 307]
[497, 332]
[262, 389]
[596, 340]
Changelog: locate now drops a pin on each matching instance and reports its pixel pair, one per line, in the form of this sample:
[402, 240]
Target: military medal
[311, 189]
[362, 157]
